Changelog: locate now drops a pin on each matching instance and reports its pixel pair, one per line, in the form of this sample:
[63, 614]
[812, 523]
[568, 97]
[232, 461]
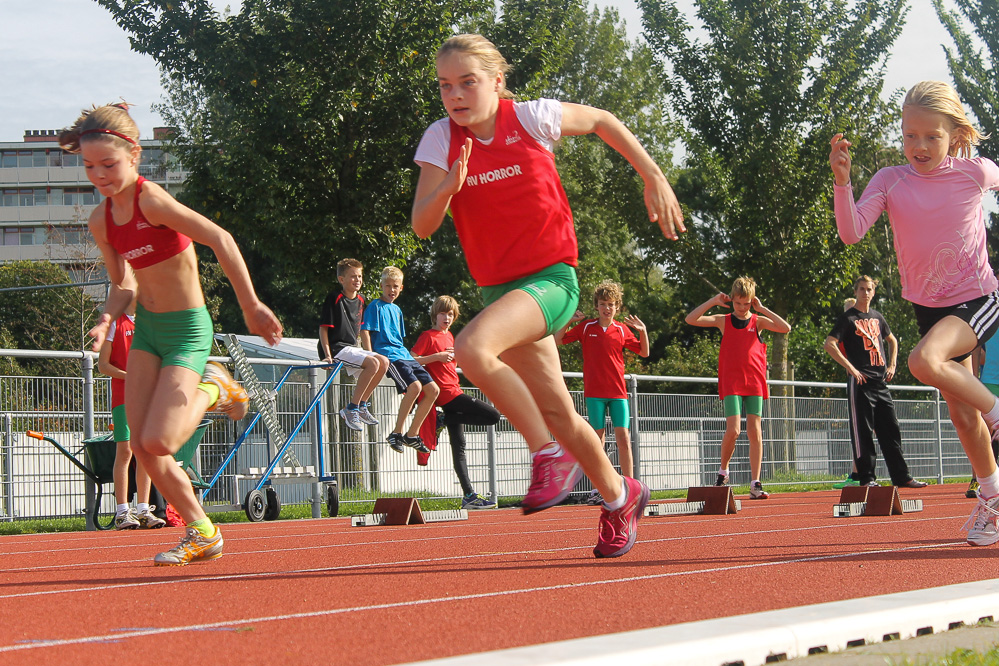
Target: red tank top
[512, 216]
[139, 242]
[124, 328]
[742, 361]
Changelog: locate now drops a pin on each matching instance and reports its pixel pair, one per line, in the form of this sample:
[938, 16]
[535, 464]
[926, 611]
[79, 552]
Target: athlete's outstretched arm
[660, 201]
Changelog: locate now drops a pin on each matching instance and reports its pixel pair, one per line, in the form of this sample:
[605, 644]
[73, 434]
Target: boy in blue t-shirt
[383, 331]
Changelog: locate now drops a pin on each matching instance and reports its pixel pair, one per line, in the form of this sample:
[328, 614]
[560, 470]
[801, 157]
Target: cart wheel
[273, 509]
[333, 500]
[97, 512]
[255, 506]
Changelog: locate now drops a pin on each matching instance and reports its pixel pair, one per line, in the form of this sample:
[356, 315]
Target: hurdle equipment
[404, 511]
[873, 501]
[701, 500]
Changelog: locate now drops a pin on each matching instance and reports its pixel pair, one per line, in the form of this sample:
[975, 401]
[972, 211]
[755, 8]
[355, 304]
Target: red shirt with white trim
[120, 336]
[603, 357]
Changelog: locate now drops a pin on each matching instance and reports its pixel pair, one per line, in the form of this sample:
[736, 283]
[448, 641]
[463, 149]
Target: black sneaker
[415, 443]
[395, 441]
[722, 480]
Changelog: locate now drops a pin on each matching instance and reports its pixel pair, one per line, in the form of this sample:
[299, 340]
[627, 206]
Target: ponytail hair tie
[98, 130]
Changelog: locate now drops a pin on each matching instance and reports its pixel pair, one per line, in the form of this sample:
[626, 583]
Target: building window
[25, 198]
[79, 196]
[9, 198]
[38, 158]
[74, 235]
[41, 197]
[24, 159]
[19, 236]
[8, 159]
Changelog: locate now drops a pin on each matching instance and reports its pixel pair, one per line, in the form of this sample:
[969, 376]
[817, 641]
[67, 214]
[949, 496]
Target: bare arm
[162, 209]
[832, 348]
[660, 201]
[698, 318]
[892, 343]
[123, 285]
[366, 340]
[324, 341]
[434, 190]
[578, 316]
[770, 320]
[104, 362]
[643, 334]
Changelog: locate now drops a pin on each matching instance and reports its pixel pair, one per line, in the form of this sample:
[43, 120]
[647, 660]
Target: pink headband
[111, 132]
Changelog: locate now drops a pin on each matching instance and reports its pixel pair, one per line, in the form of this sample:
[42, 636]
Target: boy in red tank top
[742, 370]
[490, 163]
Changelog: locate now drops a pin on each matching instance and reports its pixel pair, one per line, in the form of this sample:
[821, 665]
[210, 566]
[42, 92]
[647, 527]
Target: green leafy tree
[759, 97]
[298, 120]
[975, 73]
[45, 319]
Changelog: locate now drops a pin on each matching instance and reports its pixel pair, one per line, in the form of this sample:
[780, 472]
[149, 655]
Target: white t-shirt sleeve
[542, 118]
[111, 331]
[434, 145]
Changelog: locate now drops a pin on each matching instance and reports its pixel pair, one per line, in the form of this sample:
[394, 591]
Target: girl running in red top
[491, 163]
[742, 371]
[140, 223]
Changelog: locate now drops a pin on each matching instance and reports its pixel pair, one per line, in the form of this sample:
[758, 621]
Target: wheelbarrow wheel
[254, 506]
[333, 500]
[273, 509]
[96, 518]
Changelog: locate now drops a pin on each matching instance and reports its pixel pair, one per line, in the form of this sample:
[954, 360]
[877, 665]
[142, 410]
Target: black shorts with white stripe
[981, 314]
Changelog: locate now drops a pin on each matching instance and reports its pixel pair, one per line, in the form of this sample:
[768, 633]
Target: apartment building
[45, 198]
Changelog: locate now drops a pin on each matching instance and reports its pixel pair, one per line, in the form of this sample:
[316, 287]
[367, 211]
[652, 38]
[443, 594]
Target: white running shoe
[365, 414]
[981, 524]
[126, 520]
[149, 520]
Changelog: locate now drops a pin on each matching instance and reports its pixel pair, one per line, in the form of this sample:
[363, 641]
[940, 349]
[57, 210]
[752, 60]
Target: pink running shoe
[552, 479]
[618, 528]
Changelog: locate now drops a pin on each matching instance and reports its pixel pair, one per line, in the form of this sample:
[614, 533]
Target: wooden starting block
[404, 511]
[873, 501]
[701, 500]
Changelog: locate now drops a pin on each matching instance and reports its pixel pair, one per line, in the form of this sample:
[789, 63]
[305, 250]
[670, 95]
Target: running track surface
[312, 591]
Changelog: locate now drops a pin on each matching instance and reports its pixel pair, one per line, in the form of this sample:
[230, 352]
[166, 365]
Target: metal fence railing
[676, 437]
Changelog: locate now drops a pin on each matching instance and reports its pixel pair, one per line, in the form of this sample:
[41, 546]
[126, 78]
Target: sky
[54, 68]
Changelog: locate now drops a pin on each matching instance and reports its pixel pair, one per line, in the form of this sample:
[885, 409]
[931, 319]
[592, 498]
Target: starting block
[404, 511]
[701, 500]
[873, 501]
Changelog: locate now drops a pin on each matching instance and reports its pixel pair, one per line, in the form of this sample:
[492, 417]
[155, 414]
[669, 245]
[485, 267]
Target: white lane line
[519, 534]
[119, 636]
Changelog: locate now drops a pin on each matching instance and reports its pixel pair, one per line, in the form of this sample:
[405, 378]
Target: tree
[976, 75]
[759, 97]
[44, 318]
[297, 121]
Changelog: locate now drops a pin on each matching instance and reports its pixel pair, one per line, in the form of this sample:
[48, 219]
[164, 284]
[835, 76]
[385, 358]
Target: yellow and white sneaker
[233, 401]
[192, 548]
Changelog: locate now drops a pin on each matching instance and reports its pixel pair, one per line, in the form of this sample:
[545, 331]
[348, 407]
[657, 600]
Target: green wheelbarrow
[101, 452]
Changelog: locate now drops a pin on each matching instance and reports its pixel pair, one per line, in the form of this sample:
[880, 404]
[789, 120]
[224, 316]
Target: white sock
[553, 449]
[619, 502]
[754, 482]
[141, 506]
[723, 472]
[989, 485]
[122, 508]
[992, 416]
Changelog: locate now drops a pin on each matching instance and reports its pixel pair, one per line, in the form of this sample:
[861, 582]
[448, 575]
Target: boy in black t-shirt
[857, 342]
[339, 326]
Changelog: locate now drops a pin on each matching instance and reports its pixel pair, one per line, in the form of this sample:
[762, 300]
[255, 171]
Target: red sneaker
[552, 479]
[618, 528]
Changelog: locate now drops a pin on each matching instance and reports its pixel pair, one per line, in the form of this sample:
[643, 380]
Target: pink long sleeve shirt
[938, 225]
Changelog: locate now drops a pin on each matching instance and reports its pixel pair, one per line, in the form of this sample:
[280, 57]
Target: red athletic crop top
[139, 242]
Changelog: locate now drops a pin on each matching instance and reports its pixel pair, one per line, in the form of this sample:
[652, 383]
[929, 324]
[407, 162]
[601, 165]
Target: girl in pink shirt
[934, 204]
